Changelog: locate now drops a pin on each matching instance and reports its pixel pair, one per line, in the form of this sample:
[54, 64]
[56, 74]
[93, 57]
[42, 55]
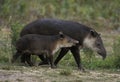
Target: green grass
[98, 14]
[66, 72]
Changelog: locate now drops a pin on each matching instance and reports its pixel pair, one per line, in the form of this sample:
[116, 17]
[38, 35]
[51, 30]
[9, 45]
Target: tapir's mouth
[103, 55]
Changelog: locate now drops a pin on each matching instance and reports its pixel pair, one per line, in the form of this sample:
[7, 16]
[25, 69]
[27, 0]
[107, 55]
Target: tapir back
[34, 43]
[53, 26]
[37, 44]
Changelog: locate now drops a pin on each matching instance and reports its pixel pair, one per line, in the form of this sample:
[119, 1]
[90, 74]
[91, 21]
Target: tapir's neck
[57, 47]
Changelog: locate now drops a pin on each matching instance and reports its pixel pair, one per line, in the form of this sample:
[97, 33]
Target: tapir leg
[28, 59]
[76, 54]
[15, 56]
[50, 58]
[62, 53]
[43, 59]
[23, 58]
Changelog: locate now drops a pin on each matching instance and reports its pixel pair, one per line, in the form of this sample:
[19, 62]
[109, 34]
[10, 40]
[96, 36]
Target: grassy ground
[46, 74]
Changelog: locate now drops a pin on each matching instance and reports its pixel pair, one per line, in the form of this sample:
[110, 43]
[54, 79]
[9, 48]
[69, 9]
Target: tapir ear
[93, 33]
[61, 35]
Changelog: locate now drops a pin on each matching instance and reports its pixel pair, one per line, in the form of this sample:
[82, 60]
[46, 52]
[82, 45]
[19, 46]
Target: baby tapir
[42, 44]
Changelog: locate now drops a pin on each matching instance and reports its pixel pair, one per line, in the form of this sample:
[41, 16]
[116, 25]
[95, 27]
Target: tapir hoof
[54, 67]
[31, 64]
[43, 63]
[81, 69]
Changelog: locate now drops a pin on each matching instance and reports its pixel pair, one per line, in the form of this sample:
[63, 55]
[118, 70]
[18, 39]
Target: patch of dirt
[17, 76]
[38, 74]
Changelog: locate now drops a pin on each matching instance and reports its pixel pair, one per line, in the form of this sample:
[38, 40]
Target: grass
[97, 14]
[65, 72]
[56, 75]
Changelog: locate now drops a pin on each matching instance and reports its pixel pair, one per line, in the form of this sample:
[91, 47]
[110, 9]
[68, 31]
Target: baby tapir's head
[66, 41]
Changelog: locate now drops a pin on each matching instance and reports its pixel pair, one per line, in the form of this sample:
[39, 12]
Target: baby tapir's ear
[61, 35]
[93, 33]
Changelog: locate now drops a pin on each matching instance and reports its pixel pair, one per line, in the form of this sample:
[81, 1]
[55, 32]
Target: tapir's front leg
[51, 61]
[61, 55]
[75, 51]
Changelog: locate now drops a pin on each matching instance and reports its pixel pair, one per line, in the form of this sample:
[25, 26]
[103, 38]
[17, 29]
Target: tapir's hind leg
[23, 58]
[44, 59]
[15, 56]
[28, 59]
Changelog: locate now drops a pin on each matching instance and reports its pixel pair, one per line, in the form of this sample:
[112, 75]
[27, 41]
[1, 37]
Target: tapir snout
[103, 53]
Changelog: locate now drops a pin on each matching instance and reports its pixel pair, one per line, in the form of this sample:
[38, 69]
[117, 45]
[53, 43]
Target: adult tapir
[86, 36]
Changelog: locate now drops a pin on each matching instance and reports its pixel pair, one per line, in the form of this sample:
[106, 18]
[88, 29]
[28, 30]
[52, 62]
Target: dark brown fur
[75, 30]
[39, 44]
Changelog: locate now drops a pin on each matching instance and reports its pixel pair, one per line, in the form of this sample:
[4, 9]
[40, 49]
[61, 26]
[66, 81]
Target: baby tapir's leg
[23, 58]
[50, 58]
[44, 59]
[28, 59]
[15, 56]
